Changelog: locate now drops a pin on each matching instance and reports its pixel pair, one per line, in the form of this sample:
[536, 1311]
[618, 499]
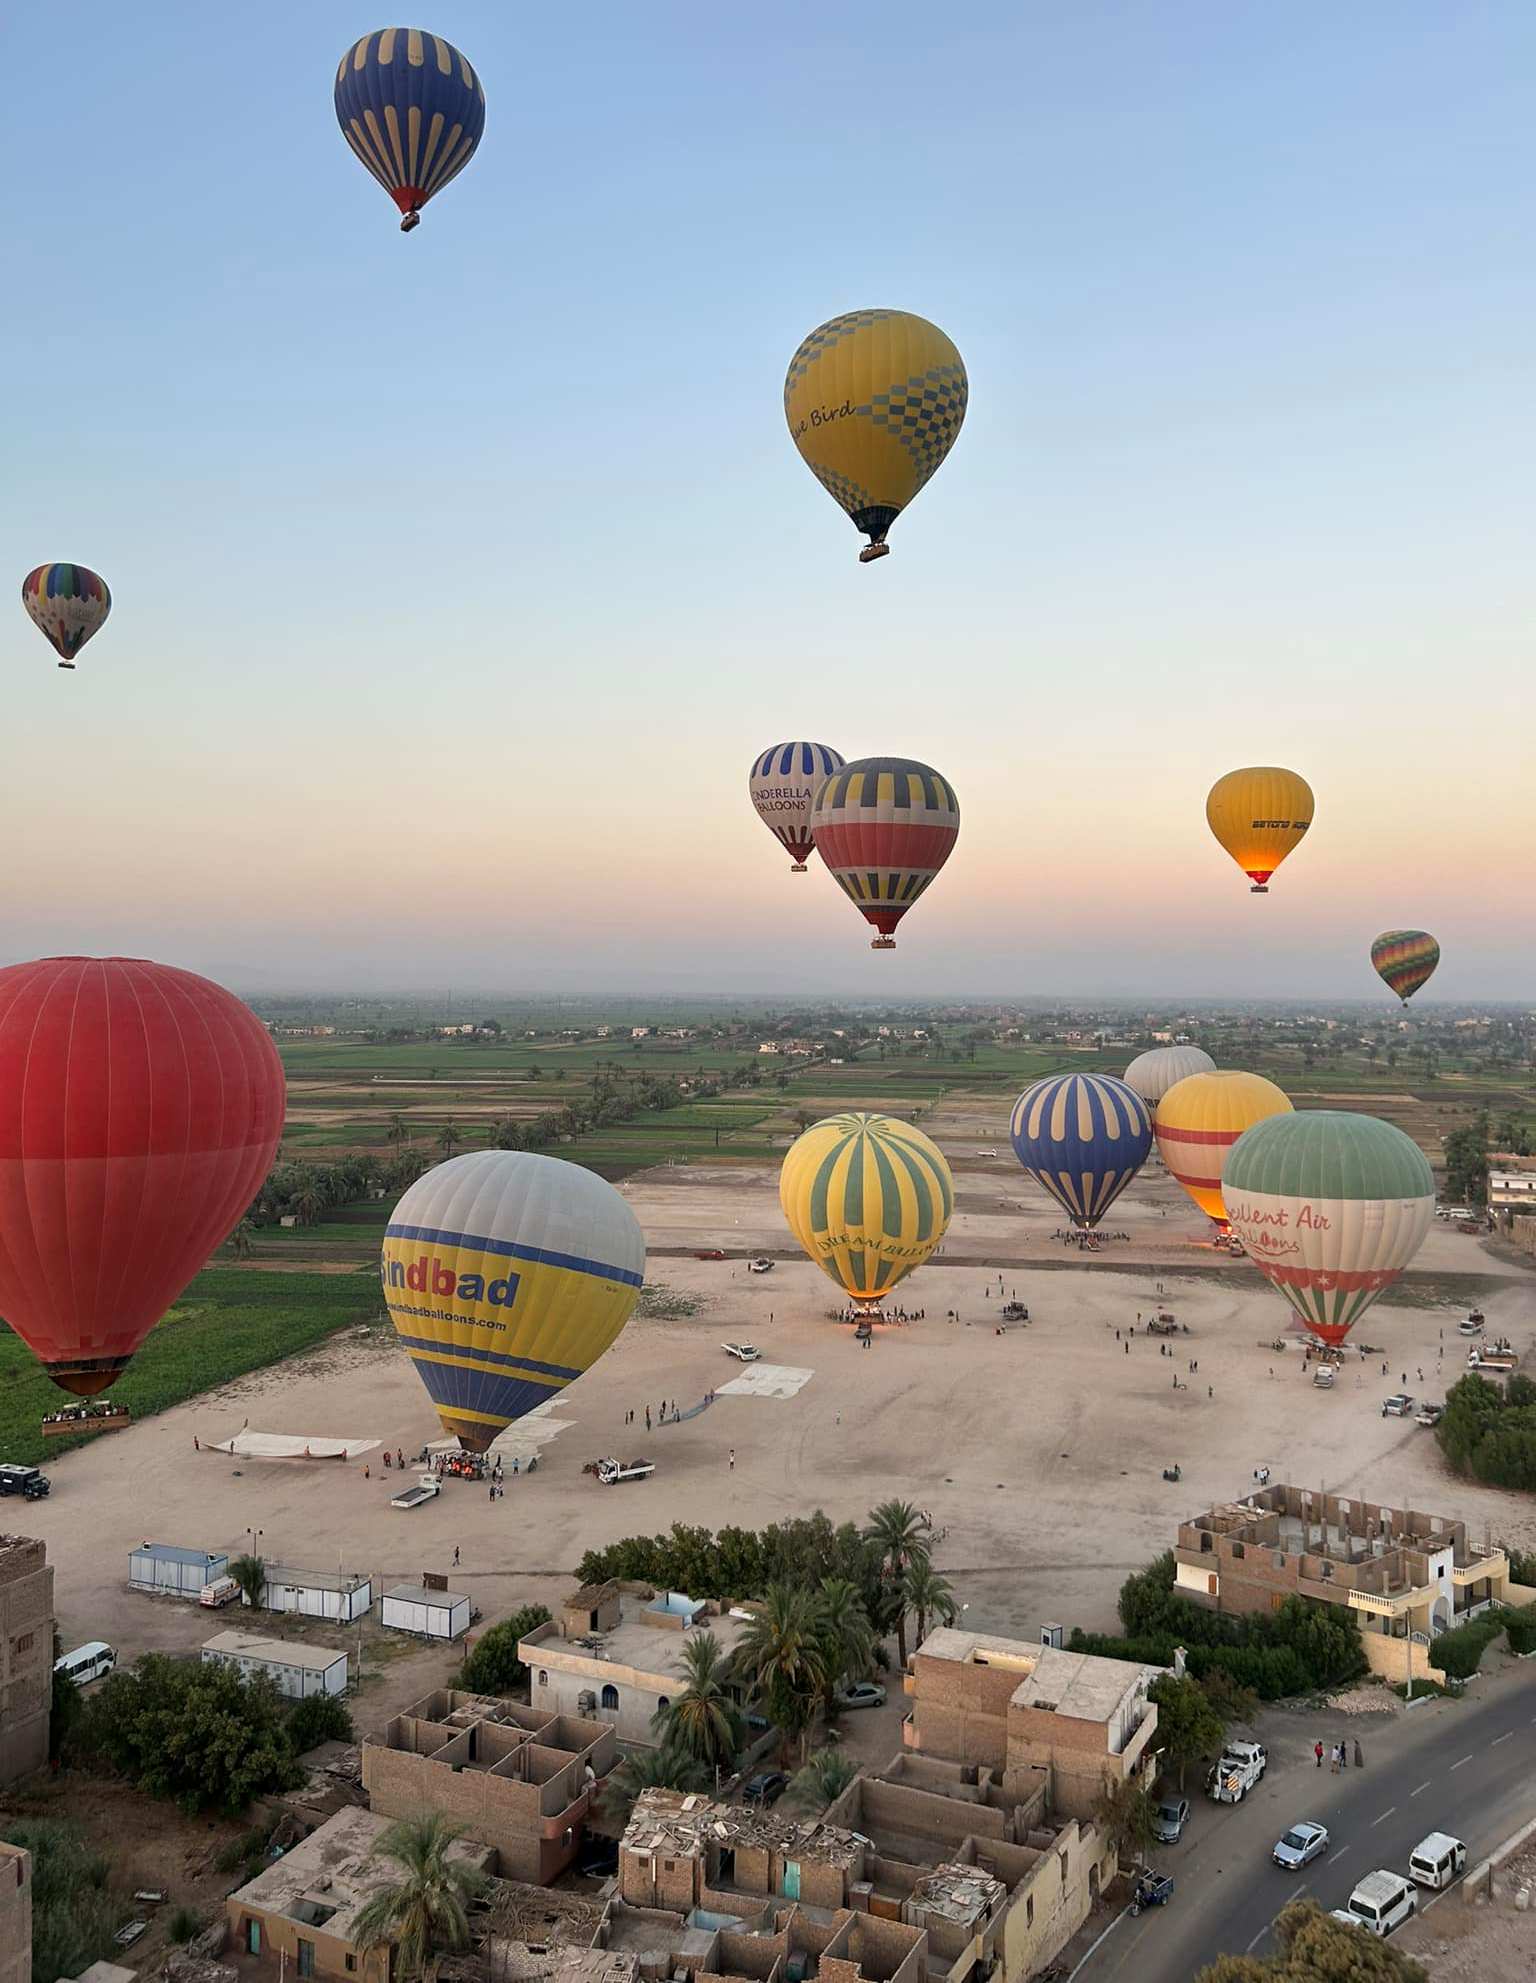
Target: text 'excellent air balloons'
[868, 1197]
[874, 400]
[1084, 1137]
[1259, 815]
[1198, 1121]
[1332, 1206]
[1405, 960]
[412, 108]
[784, 781]
[67, 603]
[885, 826]
[1152, 1074]
[507, 1274]
[140, 1109]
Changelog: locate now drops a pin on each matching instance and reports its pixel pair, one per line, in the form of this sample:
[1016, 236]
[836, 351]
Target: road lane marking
[1422, 1787]
[1256, 1940]
[1384, 1816]
[1300, 1890]
[1336, 1855]
[1505, 1737]
[1457, 1766]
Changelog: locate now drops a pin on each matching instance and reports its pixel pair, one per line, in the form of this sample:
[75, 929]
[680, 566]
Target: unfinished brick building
[26, 1656]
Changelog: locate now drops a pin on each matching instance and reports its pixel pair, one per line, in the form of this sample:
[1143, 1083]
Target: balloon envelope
[67, 603]
[140, 1109]
[1153, 1074]
[868, 1198]
[874, 400]
[1332, 1206]
[1259, 815]
[412, 109]
[1084, 1137]
[1198, 1121]
[506, 1275]
[885, 826]
[1405, 960]
[783, 783]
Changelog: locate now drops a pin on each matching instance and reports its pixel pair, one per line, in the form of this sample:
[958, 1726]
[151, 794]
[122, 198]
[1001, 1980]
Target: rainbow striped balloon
[1405, 960]
[67, 603]
[1084, 1137]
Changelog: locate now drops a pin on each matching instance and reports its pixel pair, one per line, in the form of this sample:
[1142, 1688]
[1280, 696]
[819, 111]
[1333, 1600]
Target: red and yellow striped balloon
[1198, 1121]
[885, 826]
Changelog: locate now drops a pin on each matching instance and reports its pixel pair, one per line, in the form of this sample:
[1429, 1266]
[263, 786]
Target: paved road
[1465, 1767]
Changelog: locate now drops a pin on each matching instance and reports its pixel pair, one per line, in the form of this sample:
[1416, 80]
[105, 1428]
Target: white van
[1435, 1861]
[87, 1663]
[1381, 1902]
[223, 1590]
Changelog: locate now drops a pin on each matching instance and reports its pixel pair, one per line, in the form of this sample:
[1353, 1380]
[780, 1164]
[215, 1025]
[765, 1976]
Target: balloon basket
[1259, 888]
[83, 1423]
[883, 943]
[411, 220]
[872, 551]
[799, 868]
[69, 665]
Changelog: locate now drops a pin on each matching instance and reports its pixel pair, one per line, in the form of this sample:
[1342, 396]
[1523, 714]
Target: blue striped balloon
[784, 781]
[412, 109]
[1084, 1137]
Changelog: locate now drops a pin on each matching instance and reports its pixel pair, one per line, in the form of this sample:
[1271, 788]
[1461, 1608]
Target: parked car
[1300, 1845]
[86, 1663]
[1171, 1818]
[1242, 1765]
[761, 1265]
[1399, 1405]
[1429, 1414]
[1435, 1861]
[710, 1253]
[767, 1787]
[1382, 1901]
[1472, 1326]
[862, 1694]
[743, 1352]
[221, 1591]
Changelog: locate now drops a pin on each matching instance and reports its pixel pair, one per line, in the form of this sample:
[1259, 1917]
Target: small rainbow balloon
[1405, 960]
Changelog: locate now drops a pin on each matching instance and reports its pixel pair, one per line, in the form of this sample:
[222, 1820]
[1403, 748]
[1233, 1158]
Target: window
[28, 1639]
[351, 1960]
[1237, 1552]
[610, 1696]
[662, 1701]
[1212, 1584]
[1029, 1910]
[543, 1676]
[1279, 1559]
[1276, 1600]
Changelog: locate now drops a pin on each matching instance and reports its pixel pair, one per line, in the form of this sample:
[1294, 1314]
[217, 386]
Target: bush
[184, 1925]
[493, 1667]
[240, 1851]
[1521, 1627]
[1489, 1432]
[320, 1718]
[1458, 1652]
[73, 1914]
[735, 1563]
[195, 1733]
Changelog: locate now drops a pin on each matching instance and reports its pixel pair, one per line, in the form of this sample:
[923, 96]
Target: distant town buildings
[26, 1660]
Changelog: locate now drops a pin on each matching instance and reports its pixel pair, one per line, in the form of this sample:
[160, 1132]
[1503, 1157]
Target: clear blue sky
[459, 577]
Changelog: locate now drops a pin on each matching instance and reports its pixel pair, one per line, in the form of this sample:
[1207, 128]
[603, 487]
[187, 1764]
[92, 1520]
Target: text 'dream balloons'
[1405, 960]
[1333, 1206]
[413, 110]
[1198, 1121]
[783, 783]
[1152, 1074]
[140, 1109]
[885, 826]
[874, 400]
[1083, 1137]
[868, 1197]
[1259, 815]
[506, 1275]
[67, 603]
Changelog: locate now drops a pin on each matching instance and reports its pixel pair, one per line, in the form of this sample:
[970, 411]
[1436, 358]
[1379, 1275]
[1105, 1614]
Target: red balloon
[140, 1109]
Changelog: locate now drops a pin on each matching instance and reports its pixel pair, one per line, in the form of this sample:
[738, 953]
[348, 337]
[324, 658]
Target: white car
[743, 1352]
[1300, 1845]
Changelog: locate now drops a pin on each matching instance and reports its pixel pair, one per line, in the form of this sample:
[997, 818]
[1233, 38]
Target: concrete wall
[960, 1710]
[497, 1809]
[1053, 1904]
[26, 1657]
[281, 1936]
[15, 1914]
[1389, 1657]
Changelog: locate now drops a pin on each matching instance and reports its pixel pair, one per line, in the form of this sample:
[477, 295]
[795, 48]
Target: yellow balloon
[1259, 814]
[874, 400]
[1198, 1121]
[868, 1197]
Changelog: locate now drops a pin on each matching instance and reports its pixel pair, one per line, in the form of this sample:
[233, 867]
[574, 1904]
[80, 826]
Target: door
[306, 1958]
[252, 1936]
[791, 1879]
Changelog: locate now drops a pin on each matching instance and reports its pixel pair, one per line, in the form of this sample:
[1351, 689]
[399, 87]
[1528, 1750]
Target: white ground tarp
[248, 1445]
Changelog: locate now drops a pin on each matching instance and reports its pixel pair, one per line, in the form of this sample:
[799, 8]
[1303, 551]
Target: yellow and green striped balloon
[868, 1197]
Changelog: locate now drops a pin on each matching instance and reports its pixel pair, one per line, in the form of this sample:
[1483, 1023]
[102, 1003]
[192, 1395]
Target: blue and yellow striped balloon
[1084, 1137]
[868, 1197]
[507, 1274]
[413, 110]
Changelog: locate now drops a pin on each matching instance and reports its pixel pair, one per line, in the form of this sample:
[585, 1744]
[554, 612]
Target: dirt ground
[1490, 1941]
[1039, 1452]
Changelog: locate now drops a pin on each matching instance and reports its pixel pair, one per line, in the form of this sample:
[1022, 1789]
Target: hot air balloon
[140, 1109]
[69, 603]
[1332, 1206]
[1405, 960]
[783, 784]
[507, 1274]
[1198, 1121]
[885, 826]
[412, 108]
[868, 1197]
[1153, 1074]
[874, 400]
[1259, 814]
[1084, 1137]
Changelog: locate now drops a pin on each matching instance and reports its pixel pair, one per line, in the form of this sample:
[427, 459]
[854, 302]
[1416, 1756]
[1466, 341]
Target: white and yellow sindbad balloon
[868, 1197]
[506, 1274]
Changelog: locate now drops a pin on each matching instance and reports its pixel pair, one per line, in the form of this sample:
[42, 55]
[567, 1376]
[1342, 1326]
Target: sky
[458, 577]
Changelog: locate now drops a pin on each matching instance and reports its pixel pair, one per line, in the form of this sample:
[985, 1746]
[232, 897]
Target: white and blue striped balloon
[1084, 1137]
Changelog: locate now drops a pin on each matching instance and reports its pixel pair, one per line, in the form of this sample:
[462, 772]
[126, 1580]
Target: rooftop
[1082, 1685]
[172, 1552]
[325, 1878]
[680, 1826]
[978, 1649]
[279, 1652]
[420, 1594]
[649, 1638]
[314, 1580]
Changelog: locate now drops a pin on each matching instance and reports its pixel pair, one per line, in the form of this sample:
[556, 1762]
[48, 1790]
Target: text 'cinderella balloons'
[885, 826]
[1333, 1206]
[868, 1197]
[507, 1274]
[1405, 960]
[67, 603]
[783, 783]
[1259, 816]
[1084, 1137]
[140, 1109]
[874, 401]
[413, 110]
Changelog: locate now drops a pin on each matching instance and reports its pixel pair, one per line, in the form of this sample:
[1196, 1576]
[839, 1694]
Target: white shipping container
[427, 1614]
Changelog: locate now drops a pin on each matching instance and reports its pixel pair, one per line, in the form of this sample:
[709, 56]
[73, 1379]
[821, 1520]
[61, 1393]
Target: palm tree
[781, 1654]
[425, 1912]
[929, 1595]
[903, 1535]
[822, 1780]
[308, 1205]
[250, 1573]
[846, 1636]
[240, 1240]
[703, 1722]
[397, 1131]
[448, 1138]
[649, 1769]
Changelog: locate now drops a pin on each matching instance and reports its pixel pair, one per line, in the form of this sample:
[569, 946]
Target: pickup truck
[1242, 1765]
[611, 1472]
[426, 1489]
[761, 1265]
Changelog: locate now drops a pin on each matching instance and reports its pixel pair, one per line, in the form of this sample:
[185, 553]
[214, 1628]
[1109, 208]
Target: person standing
[455, 1556]
[1359, 1758]
[1317, 1750]
[733, 1460]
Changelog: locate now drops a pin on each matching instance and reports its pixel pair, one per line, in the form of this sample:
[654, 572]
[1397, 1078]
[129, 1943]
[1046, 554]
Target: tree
[74, 1915]
[821, 1780]
[308, 1205]
[1314, 1948]
[448, 1138]
[1466, 1164]
[250, 1573]
[1126, 1814]
[240, 1240]
[197, 1734]
[846, 1637]
[1189, 1726]
[424, 1912]
[930, 1596]
[396, 1131]
[781, 1655]
[318, 1718]
[703, 1721]
[902, 1533]
[493, 1666]
[648, 1769]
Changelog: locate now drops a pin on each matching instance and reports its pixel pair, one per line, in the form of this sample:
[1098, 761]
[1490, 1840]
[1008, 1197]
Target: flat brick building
[26, 1656]
[15, 1914]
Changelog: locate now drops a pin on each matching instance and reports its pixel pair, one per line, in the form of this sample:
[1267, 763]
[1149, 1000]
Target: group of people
[1339, 1756]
